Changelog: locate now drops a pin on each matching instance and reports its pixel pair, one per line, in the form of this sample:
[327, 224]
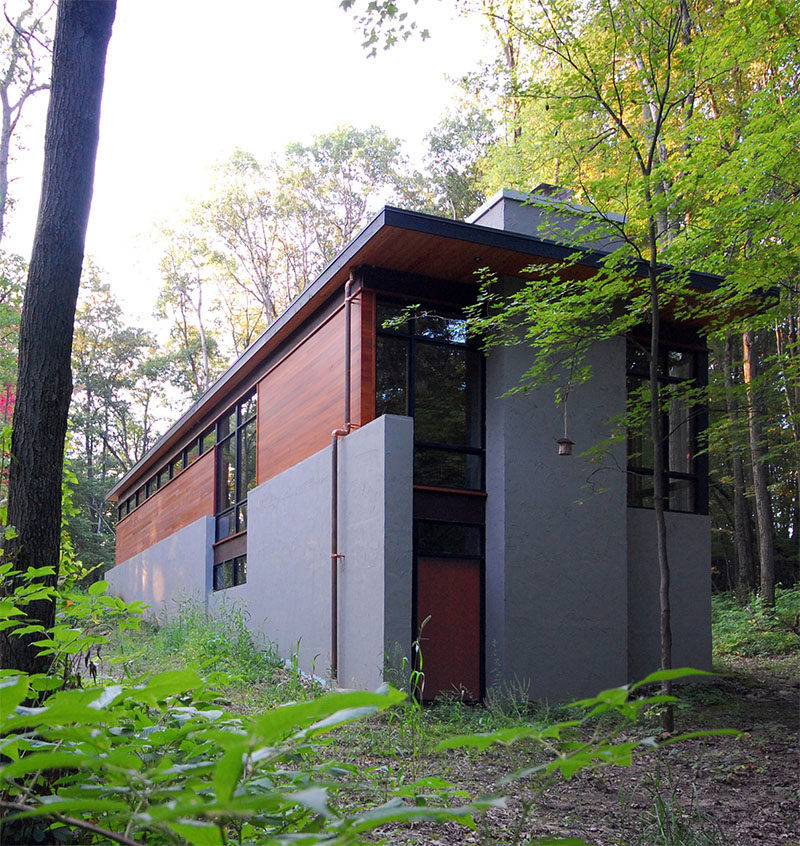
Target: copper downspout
[335, 435]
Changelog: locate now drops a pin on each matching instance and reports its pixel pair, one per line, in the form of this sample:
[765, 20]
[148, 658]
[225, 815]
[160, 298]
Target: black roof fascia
[413, 222]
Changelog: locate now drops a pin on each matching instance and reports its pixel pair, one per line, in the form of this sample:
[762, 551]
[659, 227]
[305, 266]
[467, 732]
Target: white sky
[187, 81]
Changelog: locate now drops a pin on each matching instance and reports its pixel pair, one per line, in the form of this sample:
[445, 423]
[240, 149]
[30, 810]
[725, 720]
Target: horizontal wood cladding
[301, 401]
[187, 498]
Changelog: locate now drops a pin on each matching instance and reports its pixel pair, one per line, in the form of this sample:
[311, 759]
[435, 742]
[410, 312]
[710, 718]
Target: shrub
[755, 629]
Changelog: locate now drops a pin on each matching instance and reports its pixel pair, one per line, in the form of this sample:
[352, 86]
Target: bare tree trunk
[659, 482]
[83, 29]
[742, 530]
[766, 545]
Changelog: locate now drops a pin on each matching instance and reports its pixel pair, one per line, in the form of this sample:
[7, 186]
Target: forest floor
[728, 790]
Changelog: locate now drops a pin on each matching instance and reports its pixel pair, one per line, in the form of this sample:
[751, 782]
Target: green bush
[754, 629]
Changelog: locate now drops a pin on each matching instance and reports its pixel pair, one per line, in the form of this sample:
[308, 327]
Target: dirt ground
[739, 790]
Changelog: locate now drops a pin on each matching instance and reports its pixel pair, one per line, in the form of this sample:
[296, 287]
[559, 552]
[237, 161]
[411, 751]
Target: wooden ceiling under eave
[443, 257]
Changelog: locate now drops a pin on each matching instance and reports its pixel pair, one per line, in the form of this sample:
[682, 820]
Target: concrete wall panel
[173, 570]
[287, 594]
[689, 551]
[559, 619]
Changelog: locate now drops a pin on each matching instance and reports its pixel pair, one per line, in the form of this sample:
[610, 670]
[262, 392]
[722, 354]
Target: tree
[451, 183]
[20, 79]
[83, 29]
[120, 380]
[185, 298]
[335, 184]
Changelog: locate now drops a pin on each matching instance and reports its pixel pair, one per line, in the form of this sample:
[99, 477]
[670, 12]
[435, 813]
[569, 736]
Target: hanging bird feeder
[565, 446]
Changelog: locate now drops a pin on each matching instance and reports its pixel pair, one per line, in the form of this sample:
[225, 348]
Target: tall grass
[192, 637]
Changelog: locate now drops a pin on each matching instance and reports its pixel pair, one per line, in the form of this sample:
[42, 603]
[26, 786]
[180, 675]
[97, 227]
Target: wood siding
[301, 401]
[187, 498]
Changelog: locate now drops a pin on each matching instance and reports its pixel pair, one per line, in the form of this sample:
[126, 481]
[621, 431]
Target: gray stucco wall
[287, 594]
[175, 569]
[689, 551]
[556, 549]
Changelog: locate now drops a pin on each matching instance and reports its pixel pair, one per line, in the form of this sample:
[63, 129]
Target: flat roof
[394, 239]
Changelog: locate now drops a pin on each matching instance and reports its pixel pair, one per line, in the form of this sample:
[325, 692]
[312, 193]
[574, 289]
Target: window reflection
[425, 369]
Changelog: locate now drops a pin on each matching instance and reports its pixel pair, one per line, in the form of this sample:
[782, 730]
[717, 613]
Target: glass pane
[192, 453]
[208, 439]
[448, 539]
[681, 494]
[150, 487]
[640, 490]
[390, 318]
[226, 524]
[226, 474]
[452, 329]
[447, 395]
[226, 425]
[177, 465]
[241, 517]
[223, 575]
[446, 469]
[248, 459]
[638, 359]
[679, 432]
[680, 365]
[248, 408]
[240, 569]
[391, 376]
[163, 476]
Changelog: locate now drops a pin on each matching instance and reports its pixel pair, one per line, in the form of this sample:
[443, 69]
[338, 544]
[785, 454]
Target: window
[683, 421]
[236, 466]
[426, 368]
[230, 573]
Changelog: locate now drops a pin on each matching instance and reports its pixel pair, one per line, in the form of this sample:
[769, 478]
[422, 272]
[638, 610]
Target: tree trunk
[83, 29]
[659, 483]
[766, 545]
[742, 530]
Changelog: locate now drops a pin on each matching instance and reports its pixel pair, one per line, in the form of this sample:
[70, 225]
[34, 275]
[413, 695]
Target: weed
[671, 820]
[219, 642]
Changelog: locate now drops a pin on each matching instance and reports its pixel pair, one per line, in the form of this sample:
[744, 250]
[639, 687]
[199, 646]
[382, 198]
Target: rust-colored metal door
[449, 598]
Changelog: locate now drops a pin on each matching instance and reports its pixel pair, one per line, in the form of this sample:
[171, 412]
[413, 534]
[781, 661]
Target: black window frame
[407, 331]
[697, 418]
[225, 527]
[238, 568]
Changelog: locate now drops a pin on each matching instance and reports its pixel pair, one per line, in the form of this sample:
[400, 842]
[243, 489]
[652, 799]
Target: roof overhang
[398, 240]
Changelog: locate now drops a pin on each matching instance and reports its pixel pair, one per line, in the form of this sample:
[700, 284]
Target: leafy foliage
[754, 628]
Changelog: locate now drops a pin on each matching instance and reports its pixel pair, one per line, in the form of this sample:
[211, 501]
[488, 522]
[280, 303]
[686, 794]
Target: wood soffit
[396, 240]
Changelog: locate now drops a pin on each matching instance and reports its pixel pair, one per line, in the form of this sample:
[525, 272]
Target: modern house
[359, 472]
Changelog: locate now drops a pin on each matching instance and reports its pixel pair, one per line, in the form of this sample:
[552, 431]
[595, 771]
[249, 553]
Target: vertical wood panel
[302, 400]
[187, 498]
[367, 374]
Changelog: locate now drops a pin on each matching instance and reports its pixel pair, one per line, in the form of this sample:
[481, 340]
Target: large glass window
[682, 421]
[236, 466]
[427, 369]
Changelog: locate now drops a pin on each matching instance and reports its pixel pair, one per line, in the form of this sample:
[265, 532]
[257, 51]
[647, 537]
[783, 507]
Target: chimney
[548, 213]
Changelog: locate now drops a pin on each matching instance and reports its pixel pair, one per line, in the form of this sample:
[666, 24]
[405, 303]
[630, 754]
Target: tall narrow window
[236, 466]
[426, 368]
[682, 421]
